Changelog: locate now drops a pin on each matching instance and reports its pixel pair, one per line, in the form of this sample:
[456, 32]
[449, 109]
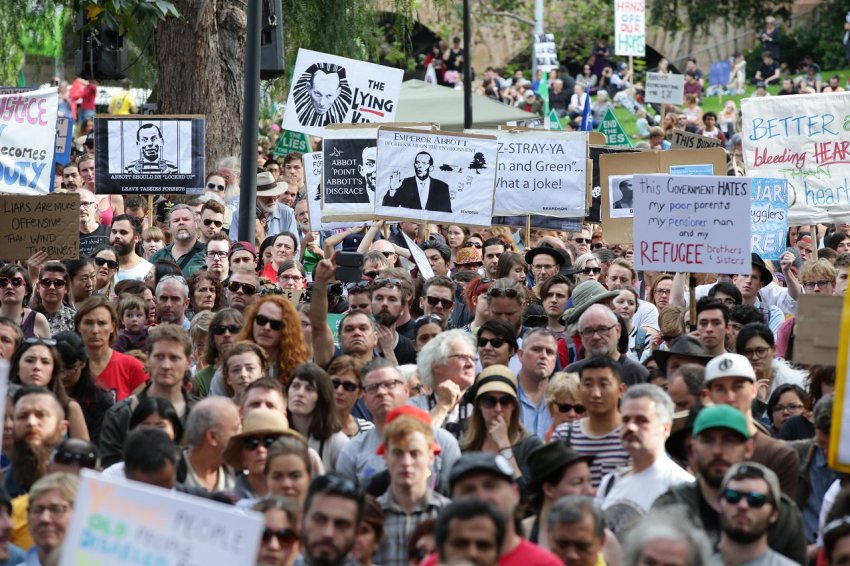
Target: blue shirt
[820, 477]
[16, 556]
[536, 420]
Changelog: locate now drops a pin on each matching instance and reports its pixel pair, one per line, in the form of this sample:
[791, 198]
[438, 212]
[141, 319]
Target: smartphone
[349, 266]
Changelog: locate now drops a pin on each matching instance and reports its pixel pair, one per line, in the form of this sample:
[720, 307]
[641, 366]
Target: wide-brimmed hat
[496, 379]
[560, 257]
[685, 346]
[268, 187]
[259, 422]
[585, 294]
[549, 459]
[766, 274]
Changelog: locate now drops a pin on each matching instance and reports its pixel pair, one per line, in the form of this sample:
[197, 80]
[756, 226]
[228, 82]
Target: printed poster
[28, 140]
[350, 159]
[770, 217]
[621, 196]
[313, 174]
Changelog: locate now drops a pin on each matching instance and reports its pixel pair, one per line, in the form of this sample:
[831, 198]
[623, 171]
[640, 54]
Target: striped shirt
[607, 451]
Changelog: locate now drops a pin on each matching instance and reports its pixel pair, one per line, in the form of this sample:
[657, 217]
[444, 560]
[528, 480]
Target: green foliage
[699, 15]
[11, 31]
[818, 35]
[583, 22]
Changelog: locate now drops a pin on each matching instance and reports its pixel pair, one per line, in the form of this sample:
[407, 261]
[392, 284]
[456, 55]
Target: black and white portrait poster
[327, 89]
[154, 154]
[350, 158]
[621, 196]
[436, 176]
[313, 178]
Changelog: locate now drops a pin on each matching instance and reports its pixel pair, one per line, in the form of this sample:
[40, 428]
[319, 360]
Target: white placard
[545, 52]
[419, 257]
[630, 27]
[664, 88]
[692, 224]
[803, 139]
[120, 522]
[439, 176]
[327, 89]
[28, 141]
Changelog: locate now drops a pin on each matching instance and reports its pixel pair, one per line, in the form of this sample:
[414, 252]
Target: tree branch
[487, 11]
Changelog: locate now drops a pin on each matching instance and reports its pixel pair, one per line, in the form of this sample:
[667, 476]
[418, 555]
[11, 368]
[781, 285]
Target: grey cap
[481, 462]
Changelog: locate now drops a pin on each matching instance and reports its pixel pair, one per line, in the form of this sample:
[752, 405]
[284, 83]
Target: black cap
[481, 462]
[547, 460]
[685, 346]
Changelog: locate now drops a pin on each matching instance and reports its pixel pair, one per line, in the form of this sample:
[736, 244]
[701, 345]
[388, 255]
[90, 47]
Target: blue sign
[770, 216]
[693, 170]
[719, 73]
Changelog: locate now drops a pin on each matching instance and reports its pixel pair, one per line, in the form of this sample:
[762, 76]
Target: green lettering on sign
[291, 141]
[614, 132]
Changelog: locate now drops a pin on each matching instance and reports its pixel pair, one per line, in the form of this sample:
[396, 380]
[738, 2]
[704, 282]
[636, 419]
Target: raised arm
[323, 341]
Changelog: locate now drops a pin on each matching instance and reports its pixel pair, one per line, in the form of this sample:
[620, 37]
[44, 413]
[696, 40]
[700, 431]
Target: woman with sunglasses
[561, 395]
[51, 297]
[215, 185]
[15, 288]
[475, 297]
[224, 327]
[311, 408]
[36, 362]
[242, 364]
[494, 425]
[205, 293]
[497, 343]
[280, 544]
[345, 378]
[587, 268]
[106, 265]
[513, 266]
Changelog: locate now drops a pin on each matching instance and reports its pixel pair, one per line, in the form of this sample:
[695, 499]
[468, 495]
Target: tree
[478, 163]
[699, 15]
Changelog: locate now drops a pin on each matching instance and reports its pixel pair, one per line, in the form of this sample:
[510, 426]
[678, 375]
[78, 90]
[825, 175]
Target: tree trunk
[201, 62]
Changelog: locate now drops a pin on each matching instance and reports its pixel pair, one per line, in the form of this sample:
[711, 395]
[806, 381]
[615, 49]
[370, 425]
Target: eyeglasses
[598, 246]
[210, 222]
[790, 408]
[490, 401]
[582, 240]
[469, 358]
[601, 330]
[219, 255]
[247, 288]
[111, 264]
[14, 282]
[494, 342]
[756, 352]
[754, 499]
[86, 204]
[349, 386]
[48, 283]
[370, 275]
[592, 270]
[373, 388]
[215, 187]
[66, 457]
[566, 408]
[358, 285]
[283, 536]
[290, 277]
[540, 266]
[810, 285]
[426, 318]
[262, 320]
[221, 329]
[473, 245]
[43, 341]
[662, 291]
[54, 510]
[445, 303]
[496, 292]
[253, 442]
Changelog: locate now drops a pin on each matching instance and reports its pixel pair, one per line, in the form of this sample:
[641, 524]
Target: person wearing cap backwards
[721, 439]
[730, 380]
[409, 450]
[279, 217]
[748, 509]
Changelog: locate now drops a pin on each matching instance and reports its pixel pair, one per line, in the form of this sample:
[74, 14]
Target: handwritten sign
[692, 224]
[28, 141]
[31, 223]
[664, 88]
[687, 140]
[770, 216]
[630, 27]
[120, 522]
[803, 139]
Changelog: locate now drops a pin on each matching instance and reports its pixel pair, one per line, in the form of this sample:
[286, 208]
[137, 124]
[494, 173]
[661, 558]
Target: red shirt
[525, 554]
[122, 375]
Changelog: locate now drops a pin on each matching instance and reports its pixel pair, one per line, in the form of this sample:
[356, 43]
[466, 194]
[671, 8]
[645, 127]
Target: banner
[770, 216]
[720, 72]
[49, 223]
[541, 173]
[64, 139]
[802, 139]
[664, 88]
[327, 89]
[545, 52]
[28, 141]
[350, 158]
[155, 154]
[692, 224]
[439, 176]
[121, 522]
[629, 28]
[687, 140]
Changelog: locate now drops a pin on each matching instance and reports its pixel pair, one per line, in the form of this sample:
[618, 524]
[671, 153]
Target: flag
[430, 75]
[586, 115]
[543, 92]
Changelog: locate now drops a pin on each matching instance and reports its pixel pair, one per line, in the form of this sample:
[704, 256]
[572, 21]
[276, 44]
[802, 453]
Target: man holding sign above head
[412, 192]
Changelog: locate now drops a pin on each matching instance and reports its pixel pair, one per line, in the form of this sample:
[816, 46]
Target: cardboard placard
[664, 88]
[687, 140]
[28, 141]
[630, 27]
[620, 230]
[830, 321]
[49, 223]
[292, 295]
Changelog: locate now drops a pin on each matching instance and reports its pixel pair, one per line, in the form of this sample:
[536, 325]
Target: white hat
[729, 365]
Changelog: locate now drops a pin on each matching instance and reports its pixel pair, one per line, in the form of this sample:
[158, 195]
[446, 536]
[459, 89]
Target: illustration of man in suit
[150, 143]
[421, 188]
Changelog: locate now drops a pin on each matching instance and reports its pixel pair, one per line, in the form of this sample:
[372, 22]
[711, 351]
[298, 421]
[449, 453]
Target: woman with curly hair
[205, 293]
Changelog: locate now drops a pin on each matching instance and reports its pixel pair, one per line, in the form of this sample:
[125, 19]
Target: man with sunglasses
[581, 240]
[92, 233]
[241, 289]
[438, 298]
[212, 220]
[721, 440]
[124, 237]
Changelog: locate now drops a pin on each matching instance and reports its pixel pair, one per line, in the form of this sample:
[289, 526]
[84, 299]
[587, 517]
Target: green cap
[721, 416]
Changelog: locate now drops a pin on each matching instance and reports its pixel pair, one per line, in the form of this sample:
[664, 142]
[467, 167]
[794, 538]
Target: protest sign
[539, 222]
[293, 295]
[436, 176]
[541, 173]
[664, 88]
[157, 154]
[594, 152]
[554, 122]
[692, 224]
[545, 52]
[687, 140]
[121, 522]
[817, 329]
[288, 142]
[803, 139]
[419, 257]
[699, 169]
[534, 123]
[327, 89]
[34, 223]
[770, 217]
[614, 132]
[313, 177]
[839, 439]
[350, 158]
[28, 141]
[629, 27]
[64, 139]
[718, 74]
[620, 196]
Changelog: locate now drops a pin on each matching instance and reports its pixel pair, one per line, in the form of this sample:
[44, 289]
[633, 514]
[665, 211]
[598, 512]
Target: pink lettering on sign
[20, 109]
[663, 252]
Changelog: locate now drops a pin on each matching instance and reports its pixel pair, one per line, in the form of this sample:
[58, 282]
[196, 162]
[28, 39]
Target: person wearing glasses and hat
[545, 262]
[279, 217]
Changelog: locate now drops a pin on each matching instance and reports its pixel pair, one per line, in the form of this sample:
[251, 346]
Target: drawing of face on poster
[322, 95]
[621, 196]
[421, 188]
[150, 143]
[350, 166]
[368, 168]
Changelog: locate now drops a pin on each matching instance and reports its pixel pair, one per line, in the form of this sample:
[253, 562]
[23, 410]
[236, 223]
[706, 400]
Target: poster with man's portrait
[436, 176]
[350, 157]
[327, 89]
[154, 154]
[313, 174]
[621, 196]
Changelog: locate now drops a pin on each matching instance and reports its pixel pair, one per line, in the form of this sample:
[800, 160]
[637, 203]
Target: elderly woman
[562, 400]
[51, 504]
[280, 544]
[15, 288]
[81, 272]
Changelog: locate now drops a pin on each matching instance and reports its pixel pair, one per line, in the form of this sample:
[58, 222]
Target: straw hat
[259, 422]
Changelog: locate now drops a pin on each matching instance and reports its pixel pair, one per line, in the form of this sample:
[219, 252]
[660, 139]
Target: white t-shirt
[645, 315]
[138, 273]
[637, 492]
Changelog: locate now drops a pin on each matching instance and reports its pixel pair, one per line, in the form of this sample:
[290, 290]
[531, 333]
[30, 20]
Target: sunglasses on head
[434, 301]
[36, 340]
[214, 187]
[262, 320]
[566, 408]
[330, 483]
[210, 222]
[283, 536]
[101, 261]
[253, 442]
[68, 458]
[14, 282]
[47, 283]
[387, 282]
[220, 329]
[247, 288]
[496, 292]
[348, 386]
[370, 275]
[490, 401]
[754, 498]
[388, 254]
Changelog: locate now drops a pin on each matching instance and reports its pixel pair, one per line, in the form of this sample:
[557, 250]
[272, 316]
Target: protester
[333, 511]
[15, 287]
[51, 503]
[279, 545]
